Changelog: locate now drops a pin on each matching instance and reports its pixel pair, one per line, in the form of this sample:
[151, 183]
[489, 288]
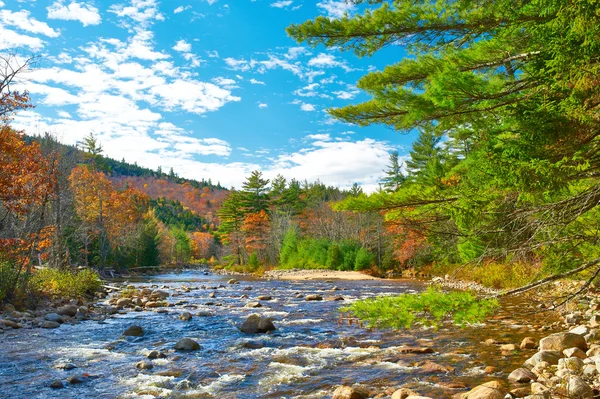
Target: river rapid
[309, 354]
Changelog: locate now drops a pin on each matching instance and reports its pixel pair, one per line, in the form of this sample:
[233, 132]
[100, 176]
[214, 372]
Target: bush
[67, 283]
[364, 259]
[253, 262]
[14, 283]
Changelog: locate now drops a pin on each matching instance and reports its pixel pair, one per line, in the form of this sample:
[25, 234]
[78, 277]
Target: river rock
[543, 356]
[187, 344]
[255, 324]
[54, 317]
[415, 349]
[57, 384]
[124, 302]
[528, 343]
[185, 316]
[522, 375]
[489, 390]
[578, 388]
[345, 392]
[430, 367]
[212, 295]
[155, 355]
[593, 351]
[253, 345]
[8, 308]
[153, 304]
[417, 397]
[573, 364]
[10, 323]
[581, 330]
[157, 295]
[508, 347]
[313, 297]
[74, 380]
[403, 393]
[134, 331]
[50, 324]
[264, 297]
[595, 320]
[254, 305]
[65, 366]
[67, 310]
[233, 281]
[575, 352]
[561, 341]
[144, 365]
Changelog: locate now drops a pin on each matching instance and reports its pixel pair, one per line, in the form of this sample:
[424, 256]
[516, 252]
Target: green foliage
[149, 254]
[172, 213]
[67, 283]
[394, 177]
[14, 282]
[429, 309]
[182, 248]
[364, 259]
[253, 262]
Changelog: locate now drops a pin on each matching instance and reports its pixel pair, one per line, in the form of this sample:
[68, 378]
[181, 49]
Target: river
[309, 354]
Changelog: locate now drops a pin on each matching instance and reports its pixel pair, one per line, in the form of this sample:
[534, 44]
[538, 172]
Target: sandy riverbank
[298, 275]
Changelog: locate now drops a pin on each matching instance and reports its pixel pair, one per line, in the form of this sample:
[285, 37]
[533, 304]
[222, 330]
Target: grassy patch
[67, 283]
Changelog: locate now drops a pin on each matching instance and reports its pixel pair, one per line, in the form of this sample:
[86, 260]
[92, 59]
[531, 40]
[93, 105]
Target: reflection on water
[306, 357]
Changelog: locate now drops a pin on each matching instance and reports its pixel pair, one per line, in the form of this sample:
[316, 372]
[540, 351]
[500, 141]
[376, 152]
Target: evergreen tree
[254, 191]
[394, 175]
[148, 241]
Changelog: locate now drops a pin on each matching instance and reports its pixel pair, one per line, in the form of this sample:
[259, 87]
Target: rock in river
[50, 324]
[522, 375]
[187, 344]
[255, 324]
[134, 331]
[489, 390]
[185, 316]
[345, 392]
[314, 297]
[144, 365]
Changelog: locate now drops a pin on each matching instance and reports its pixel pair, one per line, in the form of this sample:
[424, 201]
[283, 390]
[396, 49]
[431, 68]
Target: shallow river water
[309, 354]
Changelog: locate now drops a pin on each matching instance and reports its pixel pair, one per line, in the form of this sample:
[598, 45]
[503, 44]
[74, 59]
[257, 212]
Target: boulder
[134, 331]
[543, 356]
[254, 305]
[50, 324]
[10, 323]
[573, 364]
[581, 330]
[264, 297]
[561, 341]
[144, 365]
[430, 367]
[345, 392]
[73, 380]
[65, 366]
[522, 375]
[154, 304]
[253, 345]
[57, 384]
[313, 297]
[124, 302]
[575, 352]
[185, 316]
[156, 355]
[54, 317]
[489, 390]
[255, 324]
[187, 344]
[68, 310]
[578, 388]
[528, 343]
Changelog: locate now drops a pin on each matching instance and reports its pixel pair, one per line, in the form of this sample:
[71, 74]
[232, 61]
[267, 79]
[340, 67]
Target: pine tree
[394, 175]
[254, 191]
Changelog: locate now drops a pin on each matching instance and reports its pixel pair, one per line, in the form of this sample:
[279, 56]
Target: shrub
[14, 282]
[253, 262]
[364, 259]
[67, 283]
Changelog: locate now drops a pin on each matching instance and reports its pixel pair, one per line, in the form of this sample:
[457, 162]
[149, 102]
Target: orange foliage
[406, 242]
[201, 244]
[256, 226]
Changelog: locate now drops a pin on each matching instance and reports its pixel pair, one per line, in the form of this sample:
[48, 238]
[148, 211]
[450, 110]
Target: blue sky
[212, 88]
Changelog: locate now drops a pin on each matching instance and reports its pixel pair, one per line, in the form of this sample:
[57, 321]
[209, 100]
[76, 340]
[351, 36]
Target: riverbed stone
[550, 357]
[254, 304]
[156, 355]
[403, 393]
[561, 341]
[522, 375]
[581, 330]
[57, 384]
[255, 324]
[155, 304]
[67, 310]
[65, 366]
[185, 316]
[50, 324]
[313, 297]
[528, 343]
[134, 331]
[415, 349]
[144, 365]
[430, 367]
[187, 344]
[10, 323]
[124, 302]
[489, 390]
[253, 345]
[264, 297]
[345, 392]
[233, 281]
[74, 380]
[572, 364]
[578, 388]
[54, 317]
[575, 352]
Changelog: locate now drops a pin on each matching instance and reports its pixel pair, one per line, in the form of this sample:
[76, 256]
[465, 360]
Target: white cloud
[319, 137]
[307, 107]
[82, 12]
[336, 8]
[256, 82]
[281, 3]
[327, 61]
[238, 65]
[211, 2]
[181, 9]
[22, 20]
[307, 91]
[262, 105]
[213, 54]
[346, 95]
[182, 46]
[192, 96]
[10, 39]
[143, 12]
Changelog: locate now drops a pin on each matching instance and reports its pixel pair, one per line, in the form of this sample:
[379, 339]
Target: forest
[503, 176]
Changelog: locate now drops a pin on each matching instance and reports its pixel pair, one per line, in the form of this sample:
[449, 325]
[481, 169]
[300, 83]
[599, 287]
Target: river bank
[309, 354]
